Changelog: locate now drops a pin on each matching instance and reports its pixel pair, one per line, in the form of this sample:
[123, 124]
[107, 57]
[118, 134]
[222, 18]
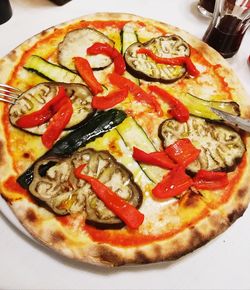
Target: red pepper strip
[109, 101]
[44, 114]
[125, 211]
[84, 69]
[172, 184]
[178, 111]
[139, 94]
[154, 158]
[210, 180]
[182, 152]
[112, 52]
[57, 124]
[119, 64]
[180, 60]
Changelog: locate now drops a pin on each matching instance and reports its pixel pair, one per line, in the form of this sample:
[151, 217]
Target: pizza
[111, 154]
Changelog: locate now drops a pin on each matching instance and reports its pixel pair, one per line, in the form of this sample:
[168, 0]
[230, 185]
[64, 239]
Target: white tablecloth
[224, 263]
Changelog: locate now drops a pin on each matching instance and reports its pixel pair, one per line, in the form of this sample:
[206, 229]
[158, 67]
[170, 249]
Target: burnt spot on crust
[31, 215]
[1, 153]
[141, 258]
[43, 33]
[196, 238]
[235, 214]
[26, 155]
[108, 256]
[217, 222]
[242, 192]
[13, 55]
[57, 237]
[158, 251]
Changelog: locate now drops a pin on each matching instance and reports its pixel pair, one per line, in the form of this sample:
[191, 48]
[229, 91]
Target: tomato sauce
[121, 237]
[128, 238]
[15, 189]
[212, 70]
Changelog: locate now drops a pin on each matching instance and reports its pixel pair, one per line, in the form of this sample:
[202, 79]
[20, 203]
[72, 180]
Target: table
[222, 264]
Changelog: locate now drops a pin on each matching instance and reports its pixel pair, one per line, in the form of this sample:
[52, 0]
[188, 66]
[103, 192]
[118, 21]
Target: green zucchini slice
[128, 35]
[134, 136]
[51, 71]
[202, 108]
[94, 127]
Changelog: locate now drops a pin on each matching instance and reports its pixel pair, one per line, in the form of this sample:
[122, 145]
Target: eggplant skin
[222, 148]
[143, 67]
[76, 43]
[55, 184]
[36, 97]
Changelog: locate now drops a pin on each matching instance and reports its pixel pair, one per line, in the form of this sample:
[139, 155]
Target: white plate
[222, 264]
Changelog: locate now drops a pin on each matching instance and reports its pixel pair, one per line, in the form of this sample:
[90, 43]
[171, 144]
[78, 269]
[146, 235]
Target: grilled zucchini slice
[50, 71]
[202, 108]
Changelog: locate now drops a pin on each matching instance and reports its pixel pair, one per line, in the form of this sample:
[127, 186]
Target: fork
[9, 94]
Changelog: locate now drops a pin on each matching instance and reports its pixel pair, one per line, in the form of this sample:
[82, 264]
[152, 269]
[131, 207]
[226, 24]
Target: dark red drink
[60, 2]
[207, 5]
[5, 11]
[226, 37]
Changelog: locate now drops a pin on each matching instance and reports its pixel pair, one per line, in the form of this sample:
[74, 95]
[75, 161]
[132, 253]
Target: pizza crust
[75, 243]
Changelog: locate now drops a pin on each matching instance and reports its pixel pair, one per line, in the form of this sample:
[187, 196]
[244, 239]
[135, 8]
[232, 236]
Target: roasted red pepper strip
[84, 69]
[109, 101]
[182, 152]
[112, 52]
[172, 184]
[139, 94]
[125, 211]
[178, 111]
[210, 180]
[154, 158]
[57, 124]
[45, 113]
[180, 60]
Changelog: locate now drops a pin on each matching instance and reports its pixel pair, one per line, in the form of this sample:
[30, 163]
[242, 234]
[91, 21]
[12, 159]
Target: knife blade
[241, 123]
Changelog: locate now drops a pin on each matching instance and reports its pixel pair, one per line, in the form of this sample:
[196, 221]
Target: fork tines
[9, 94]
[7, 101]
[10, 88]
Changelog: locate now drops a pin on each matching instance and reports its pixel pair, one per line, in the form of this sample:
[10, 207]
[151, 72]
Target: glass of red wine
[206, 7]
[5, 11]
[230, 21]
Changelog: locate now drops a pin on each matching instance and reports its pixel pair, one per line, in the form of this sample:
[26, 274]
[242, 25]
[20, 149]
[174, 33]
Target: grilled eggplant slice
[142, 66]
[96, 126]
[65, 194]
[221, 147]
[36, 97]
[76, 43]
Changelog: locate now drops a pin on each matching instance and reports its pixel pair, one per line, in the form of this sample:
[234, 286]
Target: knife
[233, 120]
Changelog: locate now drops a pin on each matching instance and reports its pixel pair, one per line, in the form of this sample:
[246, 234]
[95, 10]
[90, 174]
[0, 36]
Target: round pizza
[111, 153]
